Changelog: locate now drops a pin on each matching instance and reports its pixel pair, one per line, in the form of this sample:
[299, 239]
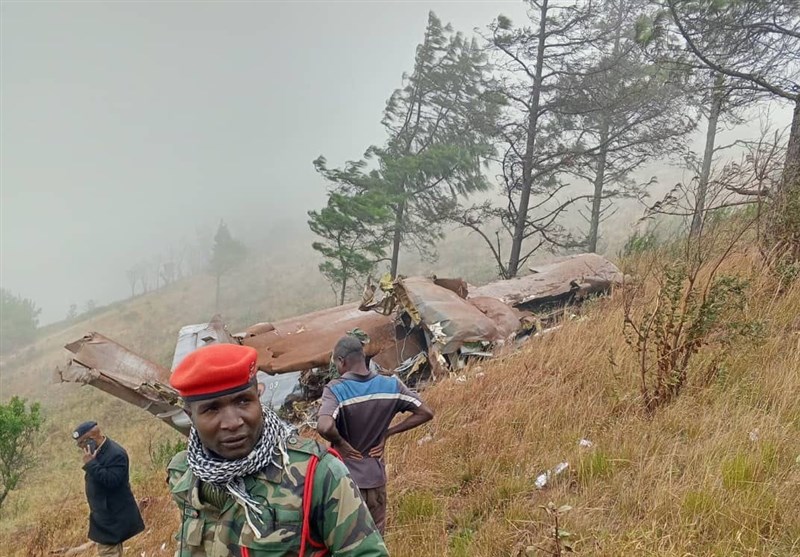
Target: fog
[129, 126]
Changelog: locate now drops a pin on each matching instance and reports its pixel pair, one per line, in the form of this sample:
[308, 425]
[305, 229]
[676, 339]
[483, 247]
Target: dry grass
[715, 473]
[689, 481]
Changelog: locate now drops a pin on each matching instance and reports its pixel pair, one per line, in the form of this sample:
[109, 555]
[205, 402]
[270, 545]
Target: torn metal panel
[307, 341]
[110, 367]
[408, 344]
[411, 366]
[386, 304]
[562, 279]
[278, 388]
[192, 337]
[506, 319]
[457, 285]
[447, 316]
[99, 352]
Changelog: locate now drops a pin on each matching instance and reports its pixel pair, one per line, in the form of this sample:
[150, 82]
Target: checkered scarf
[229, 474]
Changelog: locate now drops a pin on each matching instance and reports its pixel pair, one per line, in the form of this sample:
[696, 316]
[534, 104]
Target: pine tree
[226, 254]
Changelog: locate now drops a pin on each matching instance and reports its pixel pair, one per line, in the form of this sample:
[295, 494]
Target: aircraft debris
[543, 479]
[416, 327]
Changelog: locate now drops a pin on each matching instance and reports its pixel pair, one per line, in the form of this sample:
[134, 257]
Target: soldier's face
[229, 425]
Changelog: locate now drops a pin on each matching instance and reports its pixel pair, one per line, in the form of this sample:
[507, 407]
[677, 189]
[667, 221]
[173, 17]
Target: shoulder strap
[308, 492]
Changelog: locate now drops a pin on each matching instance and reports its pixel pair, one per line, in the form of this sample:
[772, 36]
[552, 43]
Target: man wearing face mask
[113, 514]
[247, 485]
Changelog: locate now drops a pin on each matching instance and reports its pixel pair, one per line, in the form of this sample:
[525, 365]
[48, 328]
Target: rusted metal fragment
[450, 319]
[254, 330]
[102, 363]
[386, 304]
[506, 319]
[99, 352]
[561, 280]
[307, 341]
[457, 285]
[408, 344]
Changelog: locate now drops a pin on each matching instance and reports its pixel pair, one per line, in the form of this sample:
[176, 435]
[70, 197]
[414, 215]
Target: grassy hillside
[714, 473]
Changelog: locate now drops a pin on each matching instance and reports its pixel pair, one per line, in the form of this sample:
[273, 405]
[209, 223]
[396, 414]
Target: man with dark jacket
[113, 514]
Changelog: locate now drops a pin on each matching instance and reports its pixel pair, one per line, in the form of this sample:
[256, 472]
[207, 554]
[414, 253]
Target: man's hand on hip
[346, 450]
[377, 450]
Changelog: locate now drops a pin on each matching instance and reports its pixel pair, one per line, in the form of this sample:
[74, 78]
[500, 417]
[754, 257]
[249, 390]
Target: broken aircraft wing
[102, 363]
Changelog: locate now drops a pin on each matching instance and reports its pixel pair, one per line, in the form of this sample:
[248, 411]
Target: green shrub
[18, 428]
[639, 243]
[163, 451]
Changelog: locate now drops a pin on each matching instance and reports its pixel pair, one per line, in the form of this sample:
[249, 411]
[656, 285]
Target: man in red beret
[247, 485]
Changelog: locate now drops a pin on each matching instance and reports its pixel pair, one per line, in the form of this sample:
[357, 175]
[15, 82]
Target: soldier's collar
[184, 483]
[273, 473]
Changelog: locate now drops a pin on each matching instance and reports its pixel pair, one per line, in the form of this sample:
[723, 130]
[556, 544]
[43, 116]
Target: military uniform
[214, 525]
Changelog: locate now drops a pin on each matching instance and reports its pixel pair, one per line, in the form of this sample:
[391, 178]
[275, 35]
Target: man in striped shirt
[356, 415]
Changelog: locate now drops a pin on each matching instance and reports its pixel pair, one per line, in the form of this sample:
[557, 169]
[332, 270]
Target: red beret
[215, 370]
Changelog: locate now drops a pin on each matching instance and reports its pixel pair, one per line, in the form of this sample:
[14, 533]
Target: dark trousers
[375, 498]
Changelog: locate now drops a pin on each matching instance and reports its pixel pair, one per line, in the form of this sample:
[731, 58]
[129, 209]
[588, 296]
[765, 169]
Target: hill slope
[714, 473]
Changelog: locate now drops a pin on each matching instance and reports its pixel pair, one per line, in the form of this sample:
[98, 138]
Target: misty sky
[128, 125]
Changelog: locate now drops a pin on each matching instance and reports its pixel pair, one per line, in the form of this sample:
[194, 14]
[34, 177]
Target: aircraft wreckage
[418, 328]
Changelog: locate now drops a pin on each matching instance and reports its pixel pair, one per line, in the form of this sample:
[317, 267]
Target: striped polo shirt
[363, 407]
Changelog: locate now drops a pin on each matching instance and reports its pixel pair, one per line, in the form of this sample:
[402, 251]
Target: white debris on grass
[543, 479]
[427, 439]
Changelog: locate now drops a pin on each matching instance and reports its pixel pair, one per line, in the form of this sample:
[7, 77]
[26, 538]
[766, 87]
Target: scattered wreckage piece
[305, 342]
[563, 281]
[104, 364]
[449, 320]
[192, 337]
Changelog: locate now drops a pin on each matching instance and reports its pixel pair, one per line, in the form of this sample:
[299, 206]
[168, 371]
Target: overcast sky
[127, 125]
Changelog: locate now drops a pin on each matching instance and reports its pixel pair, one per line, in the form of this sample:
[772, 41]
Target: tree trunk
[343, 290]
[398, 236]
[527, 163]
[785, 223]
[216, 298]
[708, 156]
[791, 170]
[599, 178]
[602, 160]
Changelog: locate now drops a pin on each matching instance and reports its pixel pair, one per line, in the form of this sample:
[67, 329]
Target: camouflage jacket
[339, 517]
